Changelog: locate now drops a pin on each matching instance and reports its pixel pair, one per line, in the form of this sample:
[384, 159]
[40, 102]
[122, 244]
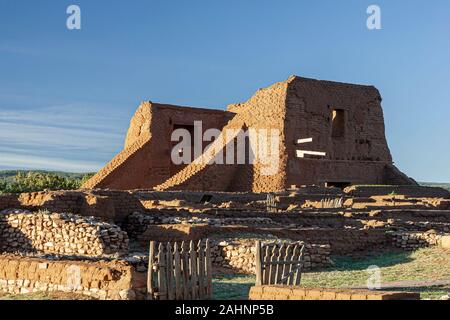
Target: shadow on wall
[63, 234]
[12, 239]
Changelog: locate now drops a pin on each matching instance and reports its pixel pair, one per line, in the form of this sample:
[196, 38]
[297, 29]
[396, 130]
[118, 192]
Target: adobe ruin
[345, 122]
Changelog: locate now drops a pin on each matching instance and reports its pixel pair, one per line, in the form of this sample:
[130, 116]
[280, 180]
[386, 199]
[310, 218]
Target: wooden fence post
[178, 274]
[162, 276]
[151, 254]
[169, 272]
[193, 270]
[209, 288]
[185, 265]
[258, 266]
[201, 270]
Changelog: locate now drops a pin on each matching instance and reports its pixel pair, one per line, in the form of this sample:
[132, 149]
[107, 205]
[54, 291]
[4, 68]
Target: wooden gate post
[258, 263]
[151, 254]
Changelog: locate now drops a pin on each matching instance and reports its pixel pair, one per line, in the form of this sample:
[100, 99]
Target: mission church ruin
[342, 124]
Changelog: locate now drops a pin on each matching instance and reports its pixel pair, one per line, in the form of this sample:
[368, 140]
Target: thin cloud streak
[77, 137]
[19, 161]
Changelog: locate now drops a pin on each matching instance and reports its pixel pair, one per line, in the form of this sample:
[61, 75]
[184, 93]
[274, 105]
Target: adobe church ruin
[345, 121]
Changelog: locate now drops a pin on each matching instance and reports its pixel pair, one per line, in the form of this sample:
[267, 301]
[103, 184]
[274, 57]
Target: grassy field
[419, 271]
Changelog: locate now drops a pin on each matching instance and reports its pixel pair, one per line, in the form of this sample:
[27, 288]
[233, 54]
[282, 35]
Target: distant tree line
[39, 181]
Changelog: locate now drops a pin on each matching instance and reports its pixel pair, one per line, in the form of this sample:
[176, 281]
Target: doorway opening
[340, 185]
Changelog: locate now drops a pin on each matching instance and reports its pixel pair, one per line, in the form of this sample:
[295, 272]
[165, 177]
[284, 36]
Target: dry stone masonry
[410, 241]
[59, 233]
[240, 255]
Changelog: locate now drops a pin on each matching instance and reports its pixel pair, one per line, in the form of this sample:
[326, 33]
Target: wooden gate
[180, 271]
[279, 263]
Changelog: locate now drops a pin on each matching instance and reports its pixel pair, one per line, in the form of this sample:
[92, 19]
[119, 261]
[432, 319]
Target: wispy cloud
[69, 137]
[19, 161]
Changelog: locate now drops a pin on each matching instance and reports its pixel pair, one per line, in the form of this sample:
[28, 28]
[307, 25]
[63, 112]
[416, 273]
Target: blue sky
[66, 97]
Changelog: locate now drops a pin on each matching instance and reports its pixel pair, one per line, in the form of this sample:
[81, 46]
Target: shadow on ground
[379, 259]
[232, 287]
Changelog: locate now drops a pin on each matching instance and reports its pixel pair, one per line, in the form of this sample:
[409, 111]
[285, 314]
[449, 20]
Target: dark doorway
[338, 123]
[340, 185]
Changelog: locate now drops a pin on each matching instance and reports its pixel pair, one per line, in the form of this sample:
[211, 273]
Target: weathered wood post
[151, 254]
[258, 265]
[209, 288]
[162, 273]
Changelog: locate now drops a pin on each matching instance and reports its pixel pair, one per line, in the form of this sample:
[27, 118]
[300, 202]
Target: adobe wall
[265, 110]
[115, 280]
[105, 204]
[299, 293]
[359, 155]
[298, 108]
[145, 161]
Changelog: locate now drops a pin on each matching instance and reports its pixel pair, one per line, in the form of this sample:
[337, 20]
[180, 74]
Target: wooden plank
[209, 288]
[292, 265]
[258, 263]
[285, 270]
[186, 278]
[151, 254]
[279, 267]
[266, 277]
[298, 273]
[169, 270]
[271, 268]
[177, 273]
[162, 273]
[201, 270]
[193, 271]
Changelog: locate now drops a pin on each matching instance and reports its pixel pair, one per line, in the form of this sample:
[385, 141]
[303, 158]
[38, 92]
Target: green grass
[232, 287]
[431, 264]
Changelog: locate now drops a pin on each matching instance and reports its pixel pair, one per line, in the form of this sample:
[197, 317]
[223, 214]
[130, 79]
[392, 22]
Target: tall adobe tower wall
[345, 121]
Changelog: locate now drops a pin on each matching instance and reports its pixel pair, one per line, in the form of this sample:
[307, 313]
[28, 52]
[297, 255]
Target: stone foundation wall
[105, 204]
[137, 223]
[101, 280]
[59, 233]
[344, 241]
[413, 240]
[299, 293]
[240, 255]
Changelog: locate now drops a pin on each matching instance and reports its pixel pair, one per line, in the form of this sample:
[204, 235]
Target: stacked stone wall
[240, 255]
[59, 233]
